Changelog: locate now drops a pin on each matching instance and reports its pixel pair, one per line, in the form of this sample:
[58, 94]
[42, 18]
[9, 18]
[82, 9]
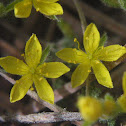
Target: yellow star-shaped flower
[32, 72]
[46, 7]
[91, 58]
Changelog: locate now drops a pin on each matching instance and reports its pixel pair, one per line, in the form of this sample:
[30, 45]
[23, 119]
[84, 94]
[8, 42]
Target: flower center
[32, 70]
[89, 56]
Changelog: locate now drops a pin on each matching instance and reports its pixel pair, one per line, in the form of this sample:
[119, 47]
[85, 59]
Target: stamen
[74, 62]
[97, 62]
[87, 38]
[75, 40]
[40, 79]
[22, 54]
[47, 74]
[37, 9]
[89, 71]
[17, 60]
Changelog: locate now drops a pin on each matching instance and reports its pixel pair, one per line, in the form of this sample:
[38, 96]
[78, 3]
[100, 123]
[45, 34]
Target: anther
[97, 62]
[22, 54]
[37, 9]
[87, 38]
[40, 71]
[44, 64]
[47, 74]
[74, 62]
[89, 71]
[40, 79]
[102, 47]
[75, 39]
[28, 3]
[17, 60]
[74, 49]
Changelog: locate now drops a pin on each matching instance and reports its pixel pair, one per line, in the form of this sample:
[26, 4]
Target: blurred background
[15, 32]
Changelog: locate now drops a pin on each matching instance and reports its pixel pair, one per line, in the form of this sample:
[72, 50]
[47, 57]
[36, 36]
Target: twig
[48, 117]
[81, 15]
[87, 86]
[13, 51]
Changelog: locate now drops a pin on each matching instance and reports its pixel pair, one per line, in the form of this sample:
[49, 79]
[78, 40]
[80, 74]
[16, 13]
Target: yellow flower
[91, 58]
[90, 108]
[122, 99]
[32, 72]
[46, 7]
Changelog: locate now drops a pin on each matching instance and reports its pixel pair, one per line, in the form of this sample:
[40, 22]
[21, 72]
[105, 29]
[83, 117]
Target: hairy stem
[87, 86]
[47, 117]
[81, 15]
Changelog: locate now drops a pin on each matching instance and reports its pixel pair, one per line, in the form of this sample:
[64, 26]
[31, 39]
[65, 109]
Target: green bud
[45, 53]
[112, 3]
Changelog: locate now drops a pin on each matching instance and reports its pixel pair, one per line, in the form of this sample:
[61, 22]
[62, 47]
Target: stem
[10, 6]
[48, 117]
[81, 15]
[87, 85]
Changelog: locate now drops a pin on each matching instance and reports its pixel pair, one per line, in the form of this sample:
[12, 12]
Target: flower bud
[122, 102]
[109, 108]
[90, 108]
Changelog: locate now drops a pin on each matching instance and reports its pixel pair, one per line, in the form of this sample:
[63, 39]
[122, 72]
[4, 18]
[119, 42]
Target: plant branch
[48, 117]
[87, 86]
[81, 15]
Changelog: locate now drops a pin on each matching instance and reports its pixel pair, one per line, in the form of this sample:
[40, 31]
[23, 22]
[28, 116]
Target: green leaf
[94, 91]
[53, 17]
[2, 10]
[103, 39]
[111, 122]
[112, 3]
[10, 6]
[66, 29]
[45, 53]
[122, 4]
[109, 97]
[116, 3]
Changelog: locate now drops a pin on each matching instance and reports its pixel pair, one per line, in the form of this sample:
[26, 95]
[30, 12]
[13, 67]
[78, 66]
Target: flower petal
[124, 83]
[43, 88]
[91, 38]
[52, 69]
[111, 53]
[33, 51]
[122, 102]
[102, 74]
[20, 88]
[13, 65]
[23, 9]
[72, 55]
[80, 74]
[48, 8]
[49, 1]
